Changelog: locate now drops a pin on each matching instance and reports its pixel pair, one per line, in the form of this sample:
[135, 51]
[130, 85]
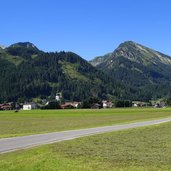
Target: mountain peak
[139, 67]
[2, 47]
[130, 44]
[24, 49]
[133, 52]
[24, 44]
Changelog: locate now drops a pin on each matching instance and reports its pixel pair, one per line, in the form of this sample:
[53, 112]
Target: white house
[29, 106]
[104, 104]
[135, 105]
[58, 96]
[107, 104]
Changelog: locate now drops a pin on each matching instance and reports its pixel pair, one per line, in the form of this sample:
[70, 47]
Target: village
[92, 104]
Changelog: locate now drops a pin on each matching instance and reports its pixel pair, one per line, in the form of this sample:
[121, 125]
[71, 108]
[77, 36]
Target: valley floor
[43, 121]
[139, 149]
[23, 142]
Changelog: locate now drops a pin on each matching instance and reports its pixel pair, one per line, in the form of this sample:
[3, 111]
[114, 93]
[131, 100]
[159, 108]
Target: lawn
[43, 121]
[140, 149]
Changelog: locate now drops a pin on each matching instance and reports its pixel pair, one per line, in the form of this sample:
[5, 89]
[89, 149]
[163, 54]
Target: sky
[89, 28]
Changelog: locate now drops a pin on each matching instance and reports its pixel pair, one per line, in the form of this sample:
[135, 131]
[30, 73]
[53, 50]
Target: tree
[90, 101]
[122, 103]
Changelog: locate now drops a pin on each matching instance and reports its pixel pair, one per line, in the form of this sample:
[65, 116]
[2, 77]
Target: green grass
[71, 71]
[140, 149]
[13, 59]
[42, 121]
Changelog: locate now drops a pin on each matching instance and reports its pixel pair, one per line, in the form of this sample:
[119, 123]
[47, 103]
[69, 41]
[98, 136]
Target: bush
[122, 103]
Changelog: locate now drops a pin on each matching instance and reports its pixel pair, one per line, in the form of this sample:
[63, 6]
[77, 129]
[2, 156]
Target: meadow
[140, 149]
[43, 121]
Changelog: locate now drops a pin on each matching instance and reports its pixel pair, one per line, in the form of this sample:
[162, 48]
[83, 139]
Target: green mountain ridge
[24, 44]
[27, 72]
[131, 72]
[144, 69]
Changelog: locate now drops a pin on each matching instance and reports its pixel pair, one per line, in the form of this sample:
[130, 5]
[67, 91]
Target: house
[70, 105]
[135, 105]
[159, 103]
[29, 106]
[139, 104]
[1, 107]
[67, 106]
[157, 106]
[7, 106]
[58, 96]
[75, 104]
[107, 104]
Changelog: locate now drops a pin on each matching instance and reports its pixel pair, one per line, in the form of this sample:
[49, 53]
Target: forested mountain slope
[26, 73]
[145, 70]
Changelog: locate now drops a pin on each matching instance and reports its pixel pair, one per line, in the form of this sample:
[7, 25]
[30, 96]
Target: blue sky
[87, 27]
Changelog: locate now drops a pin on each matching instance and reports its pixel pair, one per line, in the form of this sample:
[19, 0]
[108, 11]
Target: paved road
[17, 143]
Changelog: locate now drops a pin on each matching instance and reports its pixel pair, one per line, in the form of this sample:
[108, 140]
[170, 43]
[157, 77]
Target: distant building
[107, 104]
[70, 105]
[139, 104]
[1, 107]
[135, 105]
[29, 106]
[58, 96]
[7, 106]
[157, 106]
[160, 105]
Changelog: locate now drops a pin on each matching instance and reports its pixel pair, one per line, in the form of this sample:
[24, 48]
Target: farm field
[140, 149]
[43, 121]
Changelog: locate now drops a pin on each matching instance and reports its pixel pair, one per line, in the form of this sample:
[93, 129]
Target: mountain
[131, 72]
[145, 70]
[2, 47]
[23, 49]
[27, 72]
[23, 45]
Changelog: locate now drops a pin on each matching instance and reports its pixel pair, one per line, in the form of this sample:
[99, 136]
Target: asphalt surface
[18, 143]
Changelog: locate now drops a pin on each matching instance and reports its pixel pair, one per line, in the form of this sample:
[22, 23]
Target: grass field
[140, 149]
[41, 121]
